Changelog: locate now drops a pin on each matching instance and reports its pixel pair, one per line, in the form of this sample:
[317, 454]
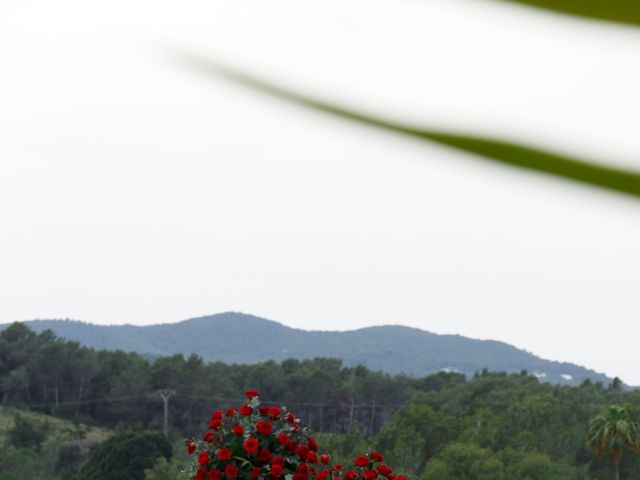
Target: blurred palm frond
[620, 11]
[508, 153]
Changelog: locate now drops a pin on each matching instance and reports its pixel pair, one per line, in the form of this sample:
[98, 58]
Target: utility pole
[166, 395]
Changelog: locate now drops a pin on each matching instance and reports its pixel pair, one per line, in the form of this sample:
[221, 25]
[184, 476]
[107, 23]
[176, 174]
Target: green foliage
[613, 432]
[24, 464]
[624, 11]
[530, 465]
[461, 461]
[501, 424]
[342, 447]
[392, 349]
[28, 434]
[508, 427]
[173, 469]
[125, 456]
[163, 469]
[470, 462]
[413, 437]
[71, 457]
[527, 157]
[53, 460]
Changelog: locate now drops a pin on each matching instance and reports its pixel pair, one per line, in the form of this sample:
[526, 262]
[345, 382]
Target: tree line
[509, 427]
[492, 426]
[52, 375]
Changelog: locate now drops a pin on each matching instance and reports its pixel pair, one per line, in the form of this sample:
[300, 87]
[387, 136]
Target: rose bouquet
[255, 442]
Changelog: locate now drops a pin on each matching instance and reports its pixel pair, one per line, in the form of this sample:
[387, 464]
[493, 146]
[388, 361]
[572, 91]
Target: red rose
[277, 460]
[274, 412]
[191, 446]
[324, 458]
[203, 458]
[264, 455]
[214, 474]
[370, 475]
[251, 393]
[276, 471]
[291, 446]
[246, 410]
[350, 475]
[217, 414]
[337, 467]
[215, 423]
[283, 439]
[208, 437]
[290, 417]
[264, 410]
[238, 430]
[231, 412]
[224, 454]
[255, 472]
[312, 444]
[231, 471]
[312, 457]
[299, 476]
[385, 470]
[251, 445]
[200, 474]
[323, 475]
[265, 428]
[376, 457]
[303, 451]
[303, 468]
[362, 461]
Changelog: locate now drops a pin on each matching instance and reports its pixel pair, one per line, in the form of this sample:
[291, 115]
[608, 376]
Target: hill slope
[240, 338]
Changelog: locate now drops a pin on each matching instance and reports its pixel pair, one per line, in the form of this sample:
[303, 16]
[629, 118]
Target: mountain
[239, 338]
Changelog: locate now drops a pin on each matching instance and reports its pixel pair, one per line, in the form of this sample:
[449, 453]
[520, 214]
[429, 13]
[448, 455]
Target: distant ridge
[239, 338]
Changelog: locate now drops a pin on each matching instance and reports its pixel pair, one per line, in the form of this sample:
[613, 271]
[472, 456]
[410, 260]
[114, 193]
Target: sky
[133, 190]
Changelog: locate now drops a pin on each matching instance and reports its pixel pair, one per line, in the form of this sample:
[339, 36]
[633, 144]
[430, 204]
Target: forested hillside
[509, 426]
[38, 446]
[245, 339]
[500, 427]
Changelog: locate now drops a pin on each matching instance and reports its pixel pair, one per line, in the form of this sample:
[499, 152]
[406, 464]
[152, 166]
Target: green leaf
[622, 11]
[508, 153]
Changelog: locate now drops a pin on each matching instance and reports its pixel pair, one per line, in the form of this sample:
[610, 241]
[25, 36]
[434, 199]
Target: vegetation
[502, 151]
[528, 157]
[624, 11]
[498, 426]
[27, 434]
[446, 425]
[612, 432]
[125, 456]
[36, 446]
[392, 349]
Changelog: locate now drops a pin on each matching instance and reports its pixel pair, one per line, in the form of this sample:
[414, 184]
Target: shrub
[125, 456]
[27, 433]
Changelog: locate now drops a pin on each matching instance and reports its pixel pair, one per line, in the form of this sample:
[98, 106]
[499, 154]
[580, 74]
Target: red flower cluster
[255, 442]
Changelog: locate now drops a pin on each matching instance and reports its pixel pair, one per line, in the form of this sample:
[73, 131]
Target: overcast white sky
[132, 190]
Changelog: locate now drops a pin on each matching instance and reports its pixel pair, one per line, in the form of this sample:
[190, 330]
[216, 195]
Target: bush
[71, 456]
[125, 456]
[163, 470]
[27, 434]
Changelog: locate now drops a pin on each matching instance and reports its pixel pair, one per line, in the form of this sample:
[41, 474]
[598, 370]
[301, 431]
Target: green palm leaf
[621, 11]
[507, 153]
